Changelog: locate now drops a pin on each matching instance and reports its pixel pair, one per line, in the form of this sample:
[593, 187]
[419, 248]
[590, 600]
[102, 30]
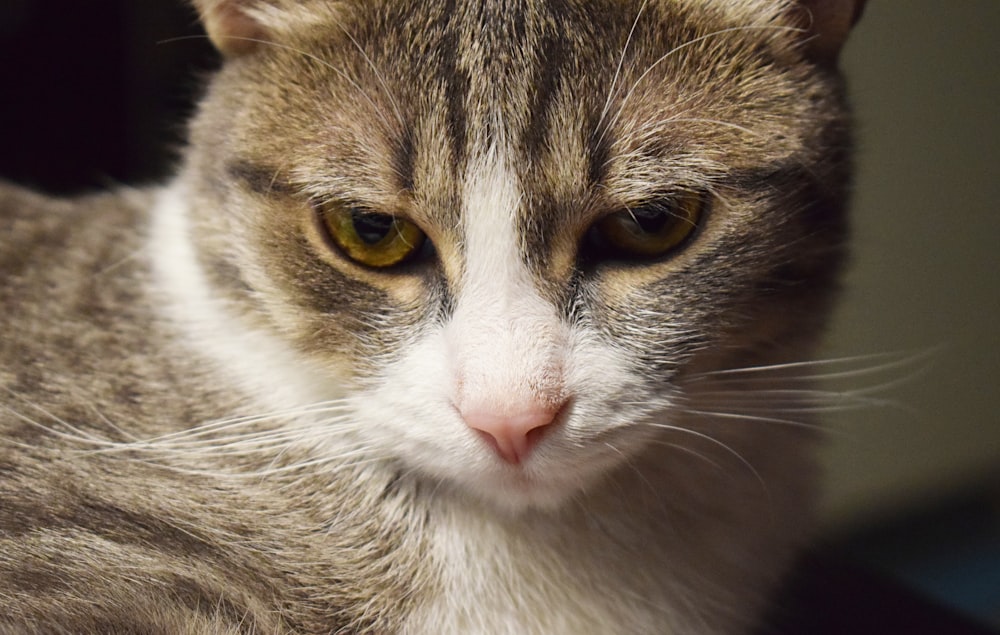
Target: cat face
[515, 240]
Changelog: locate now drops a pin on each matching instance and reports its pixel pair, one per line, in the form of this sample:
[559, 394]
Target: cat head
[510, 234]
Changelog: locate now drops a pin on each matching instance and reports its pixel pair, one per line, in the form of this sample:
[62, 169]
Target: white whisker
[68, 432]
[689, 451]
[618, 70]
[799, 400]
[896, 361]
[378, 75]
[701, 435]
[213, 427]
[750, 417]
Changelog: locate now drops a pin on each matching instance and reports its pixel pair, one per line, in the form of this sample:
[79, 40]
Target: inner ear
[827, 23]
[229, 26]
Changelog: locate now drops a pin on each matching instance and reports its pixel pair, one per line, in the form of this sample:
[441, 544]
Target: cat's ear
[827, 24]
[230, 26]
[240, 26]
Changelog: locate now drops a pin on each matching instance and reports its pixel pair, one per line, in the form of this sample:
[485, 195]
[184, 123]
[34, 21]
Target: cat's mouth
[553, 474]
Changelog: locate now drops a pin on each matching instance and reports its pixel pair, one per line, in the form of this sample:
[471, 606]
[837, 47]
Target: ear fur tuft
[828, 23]
[232, 30]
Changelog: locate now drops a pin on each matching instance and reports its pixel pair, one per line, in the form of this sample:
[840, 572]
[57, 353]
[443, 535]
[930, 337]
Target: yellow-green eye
[374, 240]
[652, 230]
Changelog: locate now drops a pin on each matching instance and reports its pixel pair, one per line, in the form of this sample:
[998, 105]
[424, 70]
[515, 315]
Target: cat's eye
[371, 239]
[649, 231]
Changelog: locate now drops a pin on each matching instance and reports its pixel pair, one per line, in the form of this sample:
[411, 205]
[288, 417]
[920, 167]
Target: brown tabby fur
[389, 103]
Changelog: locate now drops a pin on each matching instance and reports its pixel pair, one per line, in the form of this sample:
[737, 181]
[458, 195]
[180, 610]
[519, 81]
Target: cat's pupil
[652, 219]
[372, 228]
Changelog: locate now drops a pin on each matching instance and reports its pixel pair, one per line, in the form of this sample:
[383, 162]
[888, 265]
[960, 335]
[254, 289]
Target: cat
[458, 317]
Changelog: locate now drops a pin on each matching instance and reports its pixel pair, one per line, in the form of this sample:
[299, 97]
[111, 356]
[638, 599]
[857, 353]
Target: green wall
[925, 80]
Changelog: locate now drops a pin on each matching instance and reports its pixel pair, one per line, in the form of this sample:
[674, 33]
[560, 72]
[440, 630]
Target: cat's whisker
[618, 71]
[894, 362]
[120, 262]
[793, 409]
[634, 469]
[795, 392]
[712, 440]
[214, 427]
[277, 457]
[647, 132]
[799, 400]
[206, 439]
[61, 429]
[742, 416]
[276, 174]
[262, 441]
[256, 442]
[114, 427]
[378, 75]
[240, 471]
[265, 436]
[689, 451]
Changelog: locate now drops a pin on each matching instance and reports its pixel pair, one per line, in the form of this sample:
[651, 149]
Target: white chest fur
[575, 573]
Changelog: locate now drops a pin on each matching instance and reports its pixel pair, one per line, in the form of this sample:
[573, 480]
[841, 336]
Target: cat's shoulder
[68, 236]
[28, 215]
[70, 268]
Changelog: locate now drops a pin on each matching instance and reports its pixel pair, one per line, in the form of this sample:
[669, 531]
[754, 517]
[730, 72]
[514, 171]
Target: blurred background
[95, 93]
[914, 488]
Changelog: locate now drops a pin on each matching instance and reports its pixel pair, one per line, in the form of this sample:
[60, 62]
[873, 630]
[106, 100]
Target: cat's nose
[512, 436]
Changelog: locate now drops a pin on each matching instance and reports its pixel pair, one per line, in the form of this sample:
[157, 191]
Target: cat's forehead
[594, 106]
[620, 94]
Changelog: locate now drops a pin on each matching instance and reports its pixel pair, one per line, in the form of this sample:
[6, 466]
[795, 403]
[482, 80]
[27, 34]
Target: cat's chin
[532, 487]
[561, 473]
[519, 494]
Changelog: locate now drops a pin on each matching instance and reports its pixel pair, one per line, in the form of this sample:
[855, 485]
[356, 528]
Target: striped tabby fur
[214, 422]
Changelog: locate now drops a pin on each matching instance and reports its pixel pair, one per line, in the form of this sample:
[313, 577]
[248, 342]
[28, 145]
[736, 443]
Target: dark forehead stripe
[455, 80]
[598, 151]
[551, 55]
[403, 159]
[572, 56]
[418, 45]
[572, 47]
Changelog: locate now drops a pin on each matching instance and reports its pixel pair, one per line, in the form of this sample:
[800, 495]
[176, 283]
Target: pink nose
[513, 436]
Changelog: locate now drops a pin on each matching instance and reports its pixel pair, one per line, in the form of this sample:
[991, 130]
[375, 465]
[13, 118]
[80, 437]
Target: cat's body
[215, 420]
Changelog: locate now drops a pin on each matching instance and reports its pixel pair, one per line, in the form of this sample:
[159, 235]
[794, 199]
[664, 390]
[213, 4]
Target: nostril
[514, 436]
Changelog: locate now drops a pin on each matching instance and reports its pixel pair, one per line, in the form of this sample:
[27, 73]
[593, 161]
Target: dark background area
[95, 92]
